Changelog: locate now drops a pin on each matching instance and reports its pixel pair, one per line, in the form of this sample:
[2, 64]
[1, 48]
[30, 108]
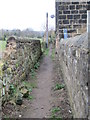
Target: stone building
[71, 15]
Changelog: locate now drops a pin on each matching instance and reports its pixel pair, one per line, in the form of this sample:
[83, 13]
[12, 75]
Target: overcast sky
[23, 14]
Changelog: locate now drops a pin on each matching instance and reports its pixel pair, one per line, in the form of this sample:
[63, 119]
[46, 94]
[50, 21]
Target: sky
[22, 14]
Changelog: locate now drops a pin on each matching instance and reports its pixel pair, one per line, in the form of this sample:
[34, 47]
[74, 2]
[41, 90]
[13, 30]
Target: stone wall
[19, 57]
[73, 56]
[71, 15]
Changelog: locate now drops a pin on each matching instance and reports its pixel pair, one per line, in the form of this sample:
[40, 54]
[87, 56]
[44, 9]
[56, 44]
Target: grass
[53, 54]
[33, 73]
[2, 45]
[46, 51]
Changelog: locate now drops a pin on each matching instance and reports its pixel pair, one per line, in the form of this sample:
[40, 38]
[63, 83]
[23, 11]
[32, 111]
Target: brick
[76, 16]
[88, 7]
[71, 30]
[83, 2]
[66, 12]
[88, 2]
[60, 12]
[74, 12]
[75, 2]
[84, 16]
[65, 3]
[62, 7]
[65, 21]
[75, 21]
[60, 22]
[77, 26]
[65, 7]
[61, 26]
[83, 11]
[78, 6]
[67, 26]
[62, 17]
[84, 7]
[82, 21]
[61, 31]
[69, 16]
[72, 7]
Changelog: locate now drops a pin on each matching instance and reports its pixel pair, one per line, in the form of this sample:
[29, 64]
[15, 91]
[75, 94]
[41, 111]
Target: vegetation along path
[43, 104]
[48, 98]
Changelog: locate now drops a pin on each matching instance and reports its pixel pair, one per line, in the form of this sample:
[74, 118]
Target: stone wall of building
[71, 15]
[73, 56]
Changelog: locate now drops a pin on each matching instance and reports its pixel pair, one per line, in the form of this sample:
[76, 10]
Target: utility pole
[46, 30]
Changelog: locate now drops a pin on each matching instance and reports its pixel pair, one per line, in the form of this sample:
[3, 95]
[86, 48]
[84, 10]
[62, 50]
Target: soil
[45, 98]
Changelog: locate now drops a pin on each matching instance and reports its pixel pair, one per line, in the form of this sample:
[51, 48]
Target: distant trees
[18, 33]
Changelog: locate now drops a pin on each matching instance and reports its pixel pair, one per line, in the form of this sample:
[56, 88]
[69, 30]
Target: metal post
[46, 30]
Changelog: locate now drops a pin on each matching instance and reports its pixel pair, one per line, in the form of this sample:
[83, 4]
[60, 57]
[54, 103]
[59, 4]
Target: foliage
[54, 111]
[46, 51]
[36, 65]
[59, 86]
[53, 54]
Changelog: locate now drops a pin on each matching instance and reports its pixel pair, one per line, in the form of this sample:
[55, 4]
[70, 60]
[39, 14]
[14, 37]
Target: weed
[59, 86]
[36, 65]
[17, 65]
[46, 51]
[30, 97]
[54, 111]
[53, 54]
[33, 73]
[33, 85]
[12, 90]
[6, 117]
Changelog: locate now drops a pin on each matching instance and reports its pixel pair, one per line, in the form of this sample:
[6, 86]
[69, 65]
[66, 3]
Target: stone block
[78, 6]
[69, 16]
[62, 17]
[76, 16]
[72, 7]
[74, 12]
[65, 21]
[66, 12]
[84, 16]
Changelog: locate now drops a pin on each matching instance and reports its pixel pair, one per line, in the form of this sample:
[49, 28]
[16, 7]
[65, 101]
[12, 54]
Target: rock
[25, 92]
[19, 100]
[12, 102]
[4, 67]
[9, 70]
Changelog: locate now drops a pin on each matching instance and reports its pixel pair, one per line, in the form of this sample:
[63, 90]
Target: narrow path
[41, 105]
[46, 99]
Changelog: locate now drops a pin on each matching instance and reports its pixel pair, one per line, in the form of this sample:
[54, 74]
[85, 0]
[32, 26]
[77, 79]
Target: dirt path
[46, 102]
[41, 105]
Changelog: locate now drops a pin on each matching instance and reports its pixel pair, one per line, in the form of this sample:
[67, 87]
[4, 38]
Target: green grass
[53, 54]
[46, 51]
[2, 45]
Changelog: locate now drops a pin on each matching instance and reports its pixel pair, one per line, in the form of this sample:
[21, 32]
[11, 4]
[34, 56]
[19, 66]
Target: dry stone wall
[19, 57]
[73, 56]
